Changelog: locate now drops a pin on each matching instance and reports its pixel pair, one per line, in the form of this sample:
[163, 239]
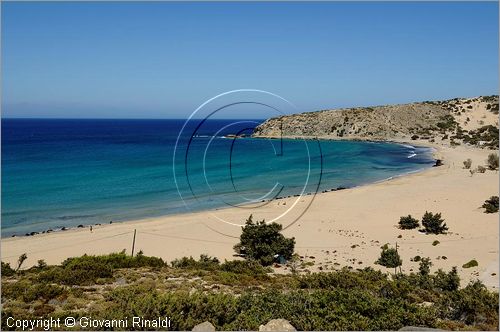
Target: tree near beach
[433, 224]
[21, 260]
[390, 258]
[264, 242]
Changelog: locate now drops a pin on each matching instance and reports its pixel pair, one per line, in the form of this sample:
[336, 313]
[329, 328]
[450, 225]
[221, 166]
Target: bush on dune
[493, 161]
[433, 224]
[244, 267]
[389, 258]
[87, 269]
[263, 242]
[408, 222]
[7, 271]
[491, 205]
[204, 263]
[467, 163]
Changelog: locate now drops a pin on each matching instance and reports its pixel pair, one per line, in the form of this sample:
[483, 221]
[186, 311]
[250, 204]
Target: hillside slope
[455, 121]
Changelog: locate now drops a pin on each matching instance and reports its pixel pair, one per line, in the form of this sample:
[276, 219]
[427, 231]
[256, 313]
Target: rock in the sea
[205, 326]
[277, 325]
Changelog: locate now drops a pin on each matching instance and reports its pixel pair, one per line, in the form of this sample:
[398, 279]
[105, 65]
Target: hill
[472, 121]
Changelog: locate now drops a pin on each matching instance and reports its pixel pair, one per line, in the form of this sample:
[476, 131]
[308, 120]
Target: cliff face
[427, 120]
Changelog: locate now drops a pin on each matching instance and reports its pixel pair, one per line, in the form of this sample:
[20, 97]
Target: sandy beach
[340, 228]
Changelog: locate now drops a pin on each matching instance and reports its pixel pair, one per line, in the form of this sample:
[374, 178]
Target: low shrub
[27, 291]
[408, 222]
[87, 269]
[389, 258]
[232, 298]
[468, 163]
[204, 263]
[472, 305]
[42, 292]
[7, 271]
[424, 267]
[493, 161]
[491, 205]
[446, 281]
[244, 267]
[433, 224]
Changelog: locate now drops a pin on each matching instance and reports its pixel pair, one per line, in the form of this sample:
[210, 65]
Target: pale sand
[364, 216]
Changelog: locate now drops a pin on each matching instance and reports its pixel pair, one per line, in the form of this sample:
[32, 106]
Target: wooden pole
[133, 243]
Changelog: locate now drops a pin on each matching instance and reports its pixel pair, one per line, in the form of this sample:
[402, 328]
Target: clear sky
[161, 60]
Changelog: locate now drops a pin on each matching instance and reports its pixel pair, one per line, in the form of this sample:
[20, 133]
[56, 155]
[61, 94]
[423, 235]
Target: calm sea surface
[62, 173]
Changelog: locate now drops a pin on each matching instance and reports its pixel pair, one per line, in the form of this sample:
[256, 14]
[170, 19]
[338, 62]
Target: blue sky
[162, 60]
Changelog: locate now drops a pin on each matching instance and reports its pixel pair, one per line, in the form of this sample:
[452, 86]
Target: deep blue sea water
[62, 173]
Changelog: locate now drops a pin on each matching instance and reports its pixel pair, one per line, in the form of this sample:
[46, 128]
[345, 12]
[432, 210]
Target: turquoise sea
[61, 173]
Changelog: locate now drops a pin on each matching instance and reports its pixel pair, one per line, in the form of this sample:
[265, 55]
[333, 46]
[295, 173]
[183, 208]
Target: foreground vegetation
[242, 294]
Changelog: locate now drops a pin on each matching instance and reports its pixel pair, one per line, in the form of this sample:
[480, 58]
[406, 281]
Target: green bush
[82, 273]
[424, 267]
[86, 269]
[389, 258]
[447, 122]
[42, 292]
[468, 163]
[7, 271]
[435, 243]
[339, 300]
[204, 263]
[493, 161]
[472, 305]
[368, 279]
[446, 281]
[332, 309]
[244, 267]
[262, 242]
[491, 205]
[408, 222]
[433, 224]
[41, 264]
[27, 291]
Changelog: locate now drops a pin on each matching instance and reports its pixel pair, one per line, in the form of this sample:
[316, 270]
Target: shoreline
[86, 226]
[345, 227]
